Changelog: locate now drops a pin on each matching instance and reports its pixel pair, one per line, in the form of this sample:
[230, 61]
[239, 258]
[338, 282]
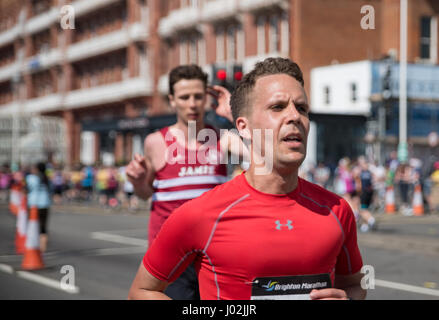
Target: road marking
[406, 287]
[6, 268]
[46, 282]
[119, 239]
[116, 251]
[39, 279]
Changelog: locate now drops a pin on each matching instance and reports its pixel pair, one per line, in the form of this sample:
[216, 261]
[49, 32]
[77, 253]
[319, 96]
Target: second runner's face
[189, 100]
[281, 106]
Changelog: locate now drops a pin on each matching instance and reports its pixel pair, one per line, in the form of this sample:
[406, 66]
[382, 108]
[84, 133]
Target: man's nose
[292, 113]
[192, 101]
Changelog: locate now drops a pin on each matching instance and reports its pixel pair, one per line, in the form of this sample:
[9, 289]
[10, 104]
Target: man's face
[188, 100]
[279, 104]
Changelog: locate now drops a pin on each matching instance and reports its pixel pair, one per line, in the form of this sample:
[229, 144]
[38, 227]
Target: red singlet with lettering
[192, 174]
[235, 234]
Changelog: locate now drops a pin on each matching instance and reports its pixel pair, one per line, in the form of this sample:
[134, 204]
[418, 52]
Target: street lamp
[402, 147]
[15, 148]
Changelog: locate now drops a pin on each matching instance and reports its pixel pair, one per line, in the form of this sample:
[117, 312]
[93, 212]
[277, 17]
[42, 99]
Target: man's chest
[275, 242]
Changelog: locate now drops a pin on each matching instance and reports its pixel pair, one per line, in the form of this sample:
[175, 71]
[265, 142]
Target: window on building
[428, 45]
[231, 43]
[7, 55]
[274, 45]
[354, 92]
[327, 95]
[260, 29]
[6, 92]
[193, 50]
[220, 45]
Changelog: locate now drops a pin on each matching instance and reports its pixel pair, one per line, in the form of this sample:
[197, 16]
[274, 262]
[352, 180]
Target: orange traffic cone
[14, 199]
[20, 236]
[418, 202]
[390, 200]
[32, 259]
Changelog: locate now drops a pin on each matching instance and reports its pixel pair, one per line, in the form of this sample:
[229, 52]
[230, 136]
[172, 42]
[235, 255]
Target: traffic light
[227, 76]
[237, 75]
[219, 75]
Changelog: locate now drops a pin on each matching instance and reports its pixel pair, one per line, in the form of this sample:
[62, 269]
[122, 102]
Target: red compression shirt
[236, 234]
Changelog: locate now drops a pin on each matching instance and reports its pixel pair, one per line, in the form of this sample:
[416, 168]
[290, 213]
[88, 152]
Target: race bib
[288, 287]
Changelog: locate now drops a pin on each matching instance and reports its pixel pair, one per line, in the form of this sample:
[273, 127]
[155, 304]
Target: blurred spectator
[58, 183]
[130, 200]
[112, 185]
[321, 175]
[403, 178]
[87, 183]
[379, 186]
[101, 184]
[5, 182]
[366, 193]
[37, 184]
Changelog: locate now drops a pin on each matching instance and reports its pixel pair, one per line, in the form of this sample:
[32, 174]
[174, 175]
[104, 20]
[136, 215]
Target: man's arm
[140, 171]
[146, 287]
[346, 287]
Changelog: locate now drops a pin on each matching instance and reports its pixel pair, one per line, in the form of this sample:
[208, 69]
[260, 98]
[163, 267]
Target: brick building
[107, 77]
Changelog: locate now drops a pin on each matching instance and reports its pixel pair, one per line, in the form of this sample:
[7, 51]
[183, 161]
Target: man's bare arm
[140, 171]
[345, 287]
[146, 287]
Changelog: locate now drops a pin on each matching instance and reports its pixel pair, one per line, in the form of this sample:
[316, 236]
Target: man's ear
[243, 127]
[171, 100]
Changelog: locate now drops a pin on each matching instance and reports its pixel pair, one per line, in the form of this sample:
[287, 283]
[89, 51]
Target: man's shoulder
[219, 197]
[320, 195]
[152, 138]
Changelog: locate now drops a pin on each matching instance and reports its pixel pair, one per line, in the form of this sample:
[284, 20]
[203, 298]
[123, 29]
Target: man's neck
[190, 137]
[275, 182]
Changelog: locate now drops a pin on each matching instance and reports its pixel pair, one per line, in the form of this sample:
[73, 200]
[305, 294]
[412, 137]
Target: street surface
[104, 249]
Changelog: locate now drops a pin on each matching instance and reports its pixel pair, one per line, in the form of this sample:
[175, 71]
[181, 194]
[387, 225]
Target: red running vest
[176, 183]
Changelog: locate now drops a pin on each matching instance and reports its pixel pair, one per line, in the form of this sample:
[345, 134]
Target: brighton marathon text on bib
[289, 287]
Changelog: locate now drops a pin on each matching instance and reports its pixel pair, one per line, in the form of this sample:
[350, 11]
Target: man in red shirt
[265, 234]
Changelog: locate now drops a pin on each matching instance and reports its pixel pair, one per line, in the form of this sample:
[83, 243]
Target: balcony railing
[219, 9]
[255, 5]
[107, 42]
[180, 19]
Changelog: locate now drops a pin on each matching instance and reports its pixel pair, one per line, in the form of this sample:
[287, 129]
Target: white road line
[116, 251]
[39, 279]
[55, 284]
[6, 268]
[119, 239]
[406, 287]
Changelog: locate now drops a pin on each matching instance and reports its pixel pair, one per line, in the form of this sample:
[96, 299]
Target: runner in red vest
[266, 234]
[175, 168]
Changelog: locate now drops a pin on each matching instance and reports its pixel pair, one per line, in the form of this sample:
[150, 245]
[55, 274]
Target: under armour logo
[280, 225]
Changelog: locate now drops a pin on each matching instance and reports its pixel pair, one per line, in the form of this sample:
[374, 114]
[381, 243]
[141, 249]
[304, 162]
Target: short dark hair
[188, 72]
[240, 99]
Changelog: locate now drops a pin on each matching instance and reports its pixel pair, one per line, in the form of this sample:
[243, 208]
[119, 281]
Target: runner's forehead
[279, 87]
[185, 86]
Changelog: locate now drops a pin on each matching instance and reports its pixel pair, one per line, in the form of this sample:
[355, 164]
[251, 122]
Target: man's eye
[302, 108]
[277, 107]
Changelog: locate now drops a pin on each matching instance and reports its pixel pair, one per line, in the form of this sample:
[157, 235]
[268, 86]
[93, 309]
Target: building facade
[113, 65]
